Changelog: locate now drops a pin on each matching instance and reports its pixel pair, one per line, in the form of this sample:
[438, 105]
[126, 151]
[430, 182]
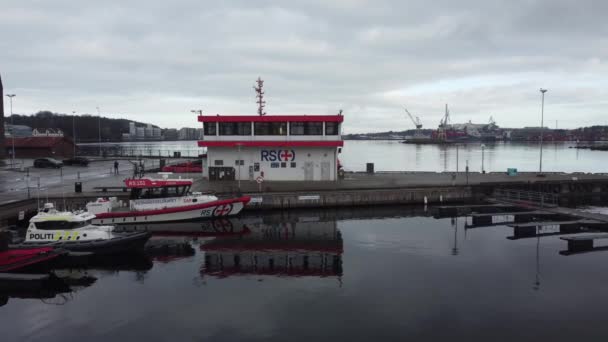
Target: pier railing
[513, 195]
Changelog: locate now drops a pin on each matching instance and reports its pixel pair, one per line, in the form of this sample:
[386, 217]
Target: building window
[270, 128]
[239, 162]
[235, 128]
[274, 165]
[283, 164]
[332, 128]
[306, 128]
[218, 162]
[293, 164]
[209, 128]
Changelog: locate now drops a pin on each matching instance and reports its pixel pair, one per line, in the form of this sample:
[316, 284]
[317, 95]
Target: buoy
[425, 200]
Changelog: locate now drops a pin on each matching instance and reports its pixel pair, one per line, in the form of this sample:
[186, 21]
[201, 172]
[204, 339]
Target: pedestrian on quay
[116, 167]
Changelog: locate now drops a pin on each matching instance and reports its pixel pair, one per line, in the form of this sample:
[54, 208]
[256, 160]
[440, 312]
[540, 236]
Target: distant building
[41, 146]
[132, 130]
[170, 134]
[156, 133]
[148, 131]
[47, 132]
[17, 131]
[188, 133]
[140, 133]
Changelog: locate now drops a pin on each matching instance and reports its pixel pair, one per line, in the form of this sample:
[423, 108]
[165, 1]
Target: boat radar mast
[260, 96]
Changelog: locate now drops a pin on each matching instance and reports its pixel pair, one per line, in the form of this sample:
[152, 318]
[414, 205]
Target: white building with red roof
[273, 147]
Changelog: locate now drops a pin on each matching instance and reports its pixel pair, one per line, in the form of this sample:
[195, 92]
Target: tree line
[87, 126]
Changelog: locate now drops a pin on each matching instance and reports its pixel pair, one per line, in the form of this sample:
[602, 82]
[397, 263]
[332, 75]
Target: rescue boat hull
[209, 210]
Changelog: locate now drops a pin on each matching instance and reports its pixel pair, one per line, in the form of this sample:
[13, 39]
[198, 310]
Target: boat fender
[425, 200]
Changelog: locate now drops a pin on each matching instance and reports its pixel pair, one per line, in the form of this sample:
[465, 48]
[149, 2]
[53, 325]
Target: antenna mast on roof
[260, 96]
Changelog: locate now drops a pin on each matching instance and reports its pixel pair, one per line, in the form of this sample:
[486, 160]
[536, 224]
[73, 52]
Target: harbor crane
[415, 119]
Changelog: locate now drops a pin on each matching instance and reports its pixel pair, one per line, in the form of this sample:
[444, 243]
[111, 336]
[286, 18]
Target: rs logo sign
[277, 155]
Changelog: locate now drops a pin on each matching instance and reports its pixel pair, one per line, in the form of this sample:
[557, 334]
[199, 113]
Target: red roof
[270, 118]
[271, 143]
[37, 142]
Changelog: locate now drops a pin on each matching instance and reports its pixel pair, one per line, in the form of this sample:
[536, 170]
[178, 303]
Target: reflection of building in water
[300, 247]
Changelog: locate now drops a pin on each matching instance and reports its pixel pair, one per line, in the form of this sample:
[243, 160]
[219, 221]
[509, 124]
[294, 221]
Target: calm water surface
[395, 156]
[384, 274]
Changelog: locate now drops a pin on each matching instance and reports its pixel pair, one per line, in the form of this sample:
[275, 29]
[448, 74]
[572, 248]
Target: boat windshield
[60, 225]
[169, 191]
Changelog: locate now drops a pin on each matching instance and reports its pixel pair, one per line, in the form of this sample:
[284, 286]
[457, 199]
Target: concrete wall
[267, 159]
[359, 197]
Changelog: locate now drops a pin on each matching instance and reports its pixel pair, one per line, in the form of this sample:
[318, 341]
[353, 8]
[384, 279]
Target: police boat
[74, 231]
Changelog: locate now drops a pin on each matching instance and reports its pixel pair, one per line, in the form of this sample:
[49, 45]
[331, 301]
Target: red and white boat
[163, 200]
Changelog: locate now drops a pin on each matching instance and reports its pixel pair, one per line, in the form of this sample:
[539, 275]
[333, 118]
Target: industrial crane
[415, 119]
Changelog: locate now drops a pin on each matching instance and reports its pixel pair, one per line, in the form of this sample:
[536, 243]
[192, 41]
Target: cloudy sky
[154, 61]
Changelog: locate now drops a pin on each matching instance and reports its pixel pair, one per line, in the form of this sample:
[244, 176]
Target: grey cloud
[155, 61]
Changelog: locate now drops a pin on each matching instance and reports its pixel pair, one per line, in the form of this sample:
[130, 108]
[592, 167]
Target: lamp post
[10, 97]
[483, 146]
[542, 123]
[99, 128]
[240, 162]
[74, 130]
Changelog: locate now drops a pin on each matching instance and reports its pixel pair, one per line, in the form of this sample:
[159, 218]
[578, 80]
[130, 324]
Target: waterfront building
[271, 147]
[41, 146]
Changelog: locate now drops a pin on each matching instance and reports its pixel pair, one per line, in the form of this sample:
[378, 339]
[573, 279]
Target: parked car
[187, 167]
[47, 162]
[76, 161]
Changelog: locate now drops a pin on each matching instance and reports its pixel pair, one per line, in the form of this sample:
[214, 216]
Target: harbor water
[392, 155]
[383, 273]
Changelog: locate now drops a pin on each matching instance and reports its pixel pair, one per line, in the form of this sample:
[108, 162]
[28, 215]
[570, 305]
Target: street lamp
[74, 130]
[483, 146]
[240, 162]
[10, 97]
[542, 123]
[99, 128]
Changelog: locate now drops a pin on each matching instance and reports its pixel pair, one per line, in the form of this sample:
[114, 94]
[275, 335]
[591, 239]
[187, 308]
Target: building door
[308, 171]
[251, 173]
[325, 171]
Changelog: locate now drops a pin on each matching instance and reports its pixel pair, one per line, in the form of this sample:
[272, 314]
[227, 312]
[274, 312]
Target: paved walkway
[391, 180]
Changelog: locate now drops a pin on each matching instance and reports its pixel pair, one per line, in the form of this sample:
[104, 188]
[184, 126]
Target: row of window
[219, 162]
[271, 128]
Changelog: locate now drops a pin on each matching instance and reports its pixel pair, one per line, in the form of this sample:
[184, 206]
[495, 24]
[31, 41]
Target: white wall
[252, 155]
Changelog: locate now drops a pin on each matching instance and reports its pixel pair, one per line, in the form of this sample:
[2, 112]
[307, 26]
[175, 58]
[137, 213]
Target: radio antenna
[260, 96]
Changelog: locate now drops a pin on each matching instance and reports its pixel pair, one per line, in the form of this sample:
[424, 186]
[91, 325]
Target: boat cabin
[148, 188]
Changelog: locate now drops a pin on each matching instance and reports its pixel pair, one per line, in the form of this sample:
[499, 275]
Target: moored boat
[163, 200]
[74, 231]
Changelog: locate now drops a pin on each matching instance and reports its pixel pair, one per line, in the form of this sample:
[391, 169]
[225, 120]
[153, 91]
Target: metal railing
[542, 198]
[139, 152]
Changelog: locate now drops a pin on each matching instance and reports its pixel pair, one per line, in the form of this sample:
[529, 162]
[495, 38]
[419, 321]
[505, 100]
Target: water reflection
[403, 271]
[303, 246]
[56, 289]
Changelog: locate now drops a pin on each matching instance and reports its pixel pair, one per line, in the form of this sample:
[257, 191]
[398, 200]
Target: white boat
[75, 231]
[163, 200]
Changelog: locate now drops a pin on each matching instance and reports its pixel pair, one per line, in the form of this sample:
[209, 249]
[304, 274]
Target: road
[14, 183]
